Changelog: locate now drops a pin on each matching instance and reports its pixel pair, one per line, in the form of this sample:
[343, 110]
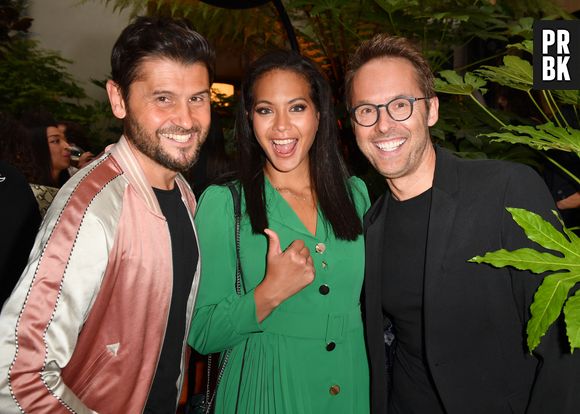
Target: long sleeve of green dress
[222, 318]
[308, 355]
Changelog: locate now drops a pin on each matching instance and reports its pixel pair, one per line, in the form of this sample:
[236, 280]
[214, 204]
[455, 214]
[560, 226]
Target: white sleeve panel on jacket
[41, 321]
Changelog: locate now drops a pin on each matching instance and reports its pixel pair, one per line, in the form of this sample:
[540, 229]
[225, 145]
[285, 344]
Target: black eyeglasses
[399, 109]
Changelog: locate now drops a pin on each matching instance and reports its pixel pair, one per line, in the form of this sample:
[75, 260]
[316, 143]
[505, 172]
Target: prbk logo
[557, 54]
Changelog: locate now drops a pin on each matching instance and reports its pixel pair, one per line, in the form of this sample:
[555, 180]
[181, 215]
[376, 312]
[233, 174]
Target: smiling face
[397, 150]
[167, 115]
[285, 120]
[59, 152]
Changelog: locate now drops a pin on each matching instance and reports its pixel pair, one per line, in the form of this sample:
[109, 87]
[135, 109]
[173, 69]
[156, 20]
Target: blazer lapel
[374, 244]
[374, 330]
[441, 217]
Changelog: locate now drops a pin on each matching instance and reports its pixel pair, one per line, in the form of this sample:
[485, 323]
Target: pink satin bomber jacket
[83, 329]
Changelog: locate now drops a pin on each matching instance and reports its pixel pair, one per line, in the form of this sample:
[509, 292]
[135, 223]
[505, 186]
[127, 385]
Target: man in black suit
[459, 326]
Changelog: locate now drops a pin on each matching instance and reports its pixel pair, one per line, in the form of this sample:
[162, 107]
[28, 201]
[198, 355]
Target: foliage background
[35, 78]
[457, 35]
[479, 49]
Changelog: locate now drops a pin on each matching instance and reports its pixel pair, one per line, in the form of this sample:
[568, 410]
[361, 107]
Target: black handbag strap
[210, 396]
[236, 198]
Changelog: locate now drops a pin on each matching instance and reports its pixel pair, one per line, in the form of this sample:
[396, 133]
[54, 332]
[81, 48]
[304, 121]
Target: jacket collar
[123, 154]
[446, 178]
[441, 218]
[445, 181]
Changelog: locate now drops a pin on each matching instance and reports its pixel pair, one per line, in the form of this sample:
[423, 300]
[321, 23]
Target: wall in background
[83, 33]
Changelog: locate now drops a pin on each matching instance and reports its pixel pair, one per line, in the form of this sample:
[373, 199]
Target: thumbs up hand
[273, 243]
[287, 273]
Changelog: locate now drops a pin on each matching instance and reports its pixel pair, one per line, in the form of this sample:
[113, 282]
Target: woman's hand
[287, 273]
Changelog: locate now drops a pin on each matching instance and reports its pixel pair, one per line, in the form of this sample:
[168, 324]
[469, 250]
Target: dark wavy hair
[36, 121]
[328, 172]
[157, 37]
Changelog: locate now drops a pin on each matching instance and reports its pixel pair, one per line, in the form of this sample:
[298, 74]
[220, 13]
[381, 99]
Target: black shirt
[402, 298]
[163, 394]
[20, 218]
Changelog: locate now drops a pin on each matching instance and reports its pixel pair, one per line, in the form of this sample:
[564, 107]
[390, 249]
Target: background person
[78, 143]
[19, 213]
[296, 332]
[50, 151]
[50, 146]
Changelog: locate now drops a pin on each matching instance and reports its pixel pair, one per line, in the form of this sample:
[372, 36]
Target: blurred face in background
[59, 152]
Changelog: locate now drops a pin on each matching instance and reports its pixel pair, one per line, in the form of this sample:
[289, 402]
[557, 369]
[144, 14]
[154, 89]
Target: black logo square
[557, 54]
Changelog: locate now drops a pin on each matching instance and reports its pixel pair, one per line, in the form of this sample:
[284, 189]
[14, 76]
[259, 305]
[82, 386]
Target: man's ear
[116, 100]
[433, 115]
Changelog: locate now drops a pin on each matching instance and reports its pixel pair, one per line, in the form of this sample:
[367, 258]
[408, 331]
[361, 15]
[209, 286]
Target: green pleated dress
[308, 356]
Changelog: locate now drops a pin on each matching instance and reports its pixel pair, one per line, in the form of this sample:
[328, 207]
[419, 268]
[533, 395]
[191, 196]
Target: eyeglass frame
[410, 99]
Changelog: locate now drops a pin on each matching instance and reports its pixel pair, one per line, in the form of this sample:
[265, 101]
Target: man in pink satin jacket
[98, 319]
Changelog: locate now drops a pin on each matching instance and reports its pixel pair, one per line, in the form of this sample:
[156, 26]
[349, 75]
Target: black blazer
[474, 314]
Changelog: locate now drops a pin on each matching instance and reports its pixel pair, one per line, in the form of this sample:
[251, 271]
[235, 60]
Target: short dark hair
[328, 172]
[157, 37]
[386, 46]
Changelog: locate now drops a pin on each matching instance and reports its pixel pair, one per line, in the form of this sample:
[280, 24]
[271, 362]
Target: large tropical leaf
[547, 306]
[515, 73]
[523, 27]
[571, 311]
[455, 84]
[474, 21]
[570, 97]
[542, 137]
[391, 6]
[526, 46]
[554, 290]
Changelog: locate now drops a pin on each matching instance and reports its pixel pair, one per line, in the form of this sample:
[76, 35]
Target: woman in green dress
[295, 332]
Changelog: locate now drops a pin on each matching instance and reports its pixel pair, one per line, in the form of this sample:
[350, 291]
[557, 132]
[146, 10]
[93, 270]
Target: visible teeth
[176, 137]
[283, 141]
[390, 145]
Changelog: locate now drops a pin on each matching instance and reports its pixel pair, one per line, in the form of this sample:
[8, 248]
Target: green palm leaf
[455, 84]
[542, 137]
[571, 311]
[515, 73]
[548, 302]
[522, 259]
[544, 233]
[552, 294]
